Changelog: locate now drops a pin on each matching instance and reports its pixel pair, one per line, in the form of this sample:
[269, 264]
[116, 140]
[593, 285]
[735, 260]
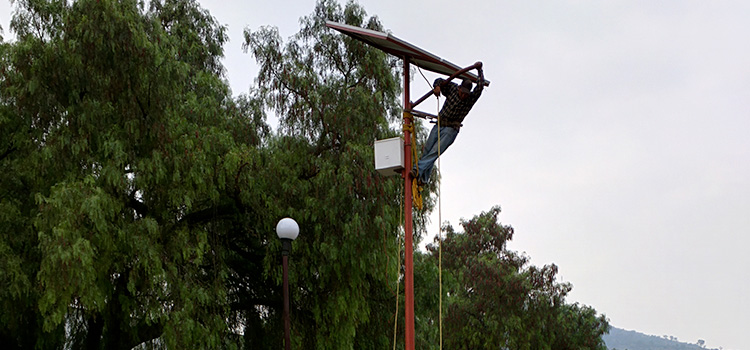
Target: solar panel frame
[402, 49]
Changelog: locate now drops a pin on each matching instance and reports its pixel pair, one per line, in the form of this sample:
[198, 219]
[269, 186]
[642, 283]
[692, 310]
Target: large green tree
[119, 163]
[495, 299]
[334, 96]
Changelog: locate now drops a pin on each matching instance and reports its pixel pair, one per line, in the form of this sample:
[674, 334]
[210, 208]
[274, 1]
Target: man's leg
[427, 157]
[427, 162]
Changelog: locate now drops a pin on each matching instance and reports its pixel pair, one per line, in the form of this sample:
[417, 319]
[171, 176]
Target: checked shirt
[455, 109]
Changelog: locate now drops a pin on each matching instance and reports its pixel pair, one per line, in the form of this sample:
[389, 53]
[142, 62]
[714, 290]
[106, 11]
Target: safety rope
[440, 234]
[416, 190]
[440, 223]
[417, 197]
[440, 220]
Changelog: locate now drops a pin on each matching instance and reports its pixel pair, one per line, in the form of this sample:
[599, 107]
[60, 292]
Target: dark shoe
[413, 173]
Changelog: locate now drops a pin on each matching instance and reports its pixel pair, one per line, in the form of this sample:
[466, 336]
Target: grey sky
[615, 136]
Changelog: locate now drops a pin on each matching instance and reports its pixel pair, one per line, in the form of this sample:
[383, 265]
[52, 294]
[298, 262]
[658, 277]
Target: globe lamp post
[287, 230]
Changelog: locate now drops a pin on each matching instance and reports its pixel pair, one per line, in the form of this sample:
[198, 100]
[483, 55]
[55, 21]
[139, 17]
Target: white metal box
[389, 156]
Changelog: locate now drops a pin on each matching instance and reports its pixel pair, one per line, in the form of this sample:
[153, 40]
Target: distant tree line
[632, 340]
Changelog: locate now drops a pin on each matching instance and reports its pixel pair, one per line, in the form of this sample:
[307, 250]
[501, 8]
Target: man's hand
[436, 90]
[480, 72]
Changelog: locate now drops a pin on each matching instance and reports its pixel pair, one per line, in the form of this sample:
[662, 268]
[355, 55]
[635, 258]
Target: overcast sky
[615, 136]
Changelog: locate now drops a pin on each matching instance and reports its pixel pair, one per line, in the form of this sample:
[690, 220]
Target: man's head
[465, 89]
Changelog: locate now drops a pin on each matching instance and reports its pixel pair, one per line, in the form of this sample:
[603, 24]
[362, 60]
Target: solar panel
[401, 49]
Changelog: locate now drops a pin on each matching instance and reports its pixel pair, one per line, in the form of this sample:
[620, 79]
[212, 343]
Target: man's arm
[480, 82]
[447, 88]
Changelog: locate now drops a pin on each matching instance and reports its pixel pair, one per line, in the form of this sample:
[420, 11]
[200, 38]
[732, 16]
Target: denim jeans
[430, 153]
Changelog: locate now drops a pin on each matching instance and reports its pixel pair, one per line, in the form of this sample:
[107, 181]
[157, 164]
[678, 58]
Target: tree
[496, 299]
[118, 175]
[334, 96]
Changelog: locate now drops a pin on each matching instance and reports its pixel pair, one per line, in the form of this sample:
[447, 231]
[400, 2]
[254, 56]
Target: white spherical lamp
[287, 228]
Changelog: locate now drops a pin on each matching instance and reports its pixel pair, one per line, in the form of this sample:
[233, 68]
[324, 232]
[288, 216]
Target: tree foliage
[334, 96]
[497, 299]
[123, 149]
[139, 198]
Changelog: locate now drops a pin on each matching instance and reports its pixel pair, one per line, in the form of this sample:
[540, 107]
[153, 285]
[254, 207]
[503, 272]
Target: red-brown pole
[408, 245]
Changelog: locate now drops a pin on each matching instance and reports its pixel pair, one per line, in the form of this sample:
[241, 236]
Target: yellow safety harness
[416, 190]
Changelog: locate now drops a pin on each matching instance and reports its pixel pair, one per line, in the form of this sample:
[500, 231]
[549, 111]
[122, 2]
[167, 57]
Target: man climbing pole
[458, 102]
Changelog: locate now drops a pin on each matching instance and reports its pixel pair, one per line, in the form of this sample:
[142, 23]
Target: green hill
[620, 339]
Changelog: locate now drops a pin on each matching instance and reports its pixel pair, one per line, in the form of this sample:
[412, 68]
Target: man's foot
[415, 176]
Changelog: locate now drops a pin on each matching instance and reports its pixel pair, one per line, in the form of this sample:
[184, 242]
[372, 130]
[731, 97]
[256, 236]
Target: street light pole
[408, 222]
[287, 322]
[287, 230]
